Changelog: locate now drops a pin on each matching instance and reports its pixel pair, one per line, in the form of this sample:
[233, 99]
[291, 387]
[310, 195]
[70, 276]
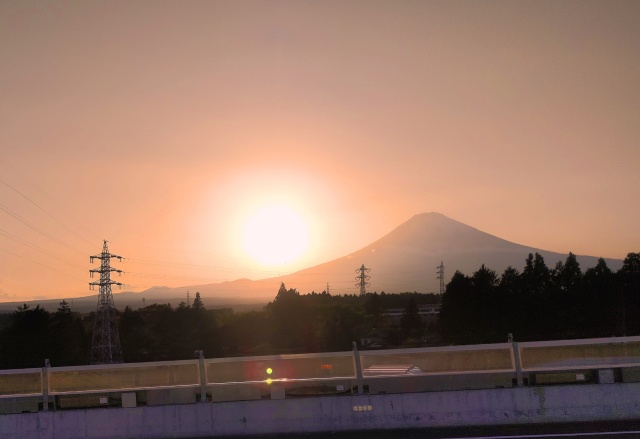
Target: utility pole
[328, 288]
[362, 279]
[105, 343]
[441, 276]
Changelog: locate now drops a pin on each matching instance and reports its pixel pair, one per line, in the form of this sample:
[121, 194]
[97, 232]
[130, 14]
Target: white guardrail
[336, 372]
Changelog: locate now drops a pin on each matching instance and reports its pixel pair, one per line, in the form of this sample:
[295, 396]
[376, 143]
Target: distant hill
[403, 260]
[172, 296]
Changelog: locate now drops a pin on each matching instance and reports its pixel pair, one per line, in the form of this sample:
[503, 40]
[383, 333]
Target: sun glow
[275, 236]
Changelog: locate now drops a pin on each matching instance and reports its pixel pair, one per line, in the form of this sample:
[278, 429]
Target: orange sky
[162, 126]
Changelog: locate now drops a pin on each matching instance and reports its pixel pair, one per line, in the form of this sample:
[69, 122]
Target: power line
[26, 223]
[35, 262]
[44, 211]
[35, 247]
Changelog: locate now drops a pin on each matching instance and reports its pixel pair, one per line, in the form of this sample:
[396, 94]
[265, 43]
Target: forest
[539, 303]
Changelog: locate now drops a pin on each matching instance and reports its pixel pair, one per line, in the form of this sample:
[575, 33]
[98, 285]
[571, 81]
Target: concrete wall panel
[334, 413]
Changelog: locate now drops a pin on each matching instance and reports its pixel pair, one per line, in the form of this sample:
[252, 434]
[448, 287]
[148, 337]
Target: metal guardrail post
[45, 385]
[516, 360]
[356, 357]
[203, 377]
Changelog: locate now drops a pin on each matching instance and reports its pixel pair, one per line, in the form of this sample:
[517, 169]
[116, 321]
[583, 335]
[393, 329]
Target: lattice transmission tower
[441, 276]
[362, 279]
[105, 343]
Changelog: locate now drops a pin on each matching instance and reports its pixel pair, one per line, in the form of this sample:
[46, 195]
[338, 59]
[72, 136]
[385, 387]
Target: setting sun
[275, 235]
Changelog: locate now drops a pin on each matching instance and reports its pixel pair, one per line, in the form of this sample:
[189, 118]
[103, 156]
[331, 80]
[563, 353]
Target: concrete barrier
[526, 405]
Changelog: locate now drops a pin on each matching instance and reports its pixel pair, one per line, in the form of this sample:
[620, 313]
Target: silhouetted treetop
[197, 303]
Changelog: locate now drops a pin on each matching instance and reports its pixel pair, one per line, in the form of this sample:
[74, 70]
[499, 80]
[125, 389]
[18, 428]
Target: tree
[27, 342]
[285, 295]
[601, 295]
[510, 281]
[629, 290]
[410, 322]
[374, 308]
[536, 276]
[511, 305]
[600, 273]
[568, 276]
[292, 323]
[64, 308]
[631, 264]
[536, 280]
[484, 283]
[136, 342]
[457, 316]
[340, 327]
[197, 303]
[245, 334]
[566, 307]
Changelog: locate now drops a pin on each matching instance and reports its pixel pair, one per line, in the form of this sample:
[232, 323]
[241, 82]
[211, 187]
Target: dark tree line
[291, 323]
[154, 333]
[35, 334]
[160, 332]
[317, 322]
[543, 303]
[539, 303]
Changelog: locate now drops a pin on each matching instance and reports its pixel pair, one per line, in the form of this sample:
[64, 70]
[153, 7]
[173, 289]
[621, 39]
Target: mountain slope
[403, 260]
[406, 258]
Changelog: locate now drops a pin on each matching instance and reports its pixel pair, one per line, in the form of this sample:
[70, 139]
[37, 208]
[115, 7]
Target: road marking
[531, 436]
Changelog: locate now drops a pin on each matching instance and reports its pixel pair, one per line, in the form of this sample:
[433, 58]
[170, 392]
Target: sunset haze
[165, 127]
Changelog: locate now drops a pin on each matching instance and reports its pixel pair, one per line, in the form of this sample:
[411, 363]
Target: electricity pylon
[105, 343]
[441, 276]
[362, 279]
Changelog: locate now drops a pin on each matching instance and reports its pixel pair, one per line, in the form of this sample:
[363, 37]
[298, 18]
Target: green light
[269, 371]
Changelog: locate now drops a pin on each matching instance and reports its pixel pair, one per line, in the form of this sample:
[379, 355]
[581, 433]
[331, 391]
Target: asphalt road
[583, 430]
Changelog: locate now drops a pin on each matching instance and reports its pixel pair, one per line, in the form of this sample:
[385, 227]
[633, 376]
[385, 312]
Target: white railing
[352, 368]
[595, 353]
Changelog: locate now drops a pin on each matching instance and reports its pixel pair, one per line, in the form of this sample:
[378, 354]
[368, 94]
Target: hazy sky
[163, 126]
